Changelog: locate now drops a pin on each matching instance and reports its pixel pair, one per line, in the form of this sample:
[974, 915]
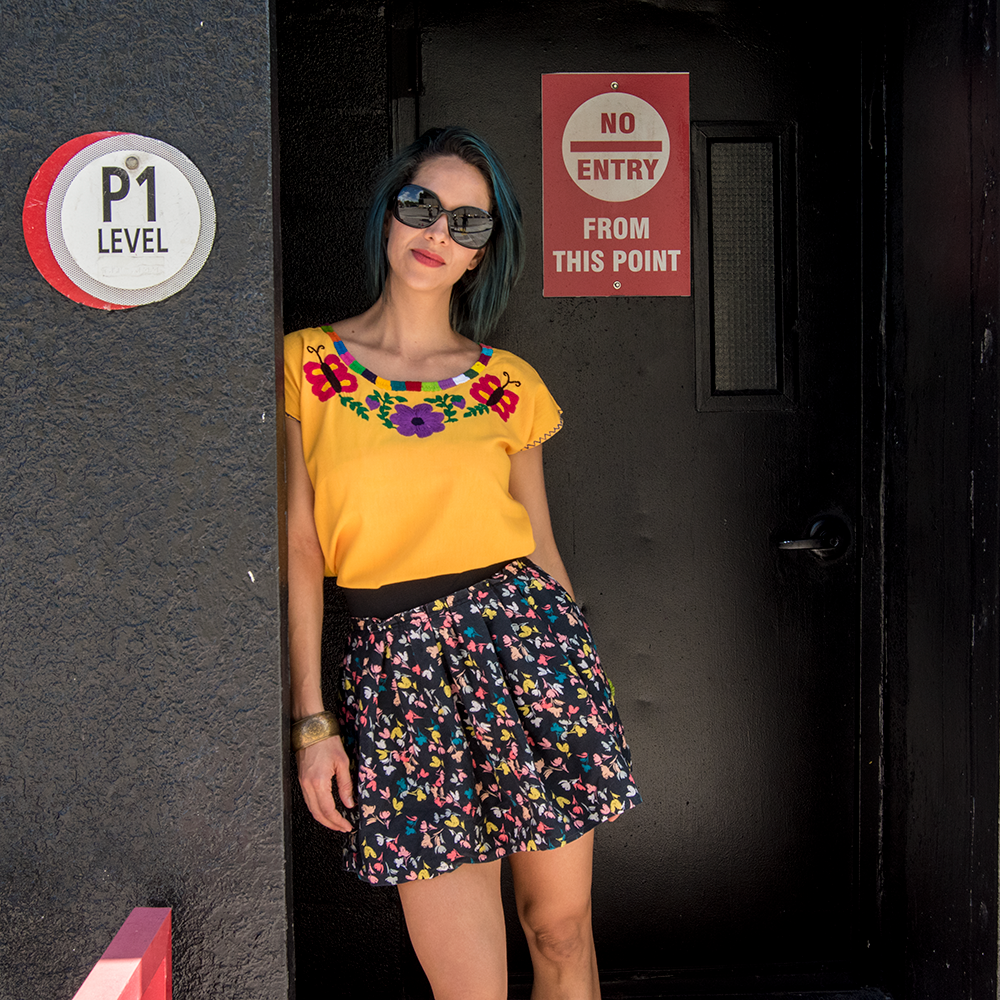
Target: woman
[476, 723]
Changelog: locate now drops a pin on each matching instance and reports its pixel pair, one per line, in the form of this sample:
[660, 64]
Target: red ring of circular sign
[36, 235]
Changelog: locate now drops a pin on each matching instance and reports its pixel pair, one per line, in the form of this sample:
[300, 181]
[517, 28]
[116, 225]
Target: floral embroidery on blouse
[422, 420]
[331, 377]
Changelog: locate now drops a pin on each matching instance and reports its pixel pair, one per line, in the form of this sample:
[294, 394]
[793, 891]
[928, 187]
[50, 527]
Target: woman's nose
[439, 227]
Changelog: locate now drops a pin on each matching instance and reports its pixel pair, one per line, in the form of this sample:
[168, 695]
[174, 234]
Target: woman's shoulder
[501, 357]
[347, 328]
[307, 332]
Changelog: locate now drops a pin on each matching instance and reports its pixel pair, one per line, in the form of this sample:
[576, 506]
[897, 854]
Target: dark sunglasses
[419, 208]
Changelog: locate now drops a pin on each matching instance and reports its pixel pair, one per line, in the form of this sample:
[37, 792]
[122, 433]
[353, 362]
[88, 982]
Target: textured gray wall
[141, 745]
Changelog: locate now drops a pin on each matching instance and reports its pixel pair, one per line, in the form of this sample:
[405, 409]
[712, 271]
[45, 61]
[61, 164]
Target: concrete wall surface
[141, 748]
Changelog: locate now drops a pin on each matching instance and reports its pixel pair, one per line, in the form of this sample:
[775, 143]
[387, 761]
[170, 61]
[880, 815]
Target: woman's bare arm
[527, 486]
[322, 762]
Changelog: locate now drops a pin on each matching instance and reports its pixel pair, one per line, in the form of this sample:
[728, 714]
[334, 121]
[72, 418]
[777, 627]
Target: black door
[700, 433]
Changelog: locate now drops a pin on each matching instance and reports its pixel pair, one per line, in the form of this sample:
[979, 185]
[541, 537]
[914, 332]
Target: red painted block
[137, 963]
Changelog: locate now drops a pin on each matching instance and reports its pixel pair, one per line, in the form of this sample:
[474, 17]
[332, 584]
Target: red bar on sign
[616, 146]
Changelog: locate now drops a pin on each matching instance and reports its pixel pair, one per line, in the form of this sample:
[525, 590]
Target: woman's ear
[480, 253]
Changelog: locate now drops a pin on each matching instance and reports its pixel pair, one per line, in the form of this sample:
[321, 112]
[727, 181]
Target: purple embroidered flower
[371, 402]
[458, 401]
[422, 420]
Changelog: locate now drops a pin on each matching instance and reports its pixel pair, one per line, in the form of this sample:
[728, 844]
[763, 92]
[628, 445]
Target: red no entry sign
[616, 184]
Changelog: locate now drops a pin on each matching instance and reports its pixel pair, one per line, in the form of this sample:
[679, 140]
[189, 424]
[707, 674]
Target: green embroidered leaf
[356, 405]
[446, 406]
[385, 402]
[476, 411]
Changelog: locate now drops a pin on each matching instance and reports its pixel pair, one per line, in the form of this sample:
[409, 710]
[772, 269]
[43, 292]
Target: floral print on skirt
[481, 724]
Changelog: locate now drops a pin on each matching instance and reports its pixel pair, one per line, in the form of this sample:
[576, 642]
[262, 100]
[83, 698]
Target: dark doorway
[738, 664]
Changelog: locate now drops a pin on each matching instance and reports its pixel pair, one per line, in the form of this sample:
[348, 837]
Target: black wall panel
[141, 749]
[334, 123]
[941, 519]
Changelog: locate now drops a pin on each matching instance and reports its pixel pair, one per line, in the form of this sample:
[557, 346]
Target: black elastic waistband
[384, 602]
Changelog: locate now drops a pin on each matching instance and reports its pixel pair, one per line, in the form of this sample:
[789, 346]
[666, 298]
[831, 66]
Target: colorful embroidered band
[383, 383]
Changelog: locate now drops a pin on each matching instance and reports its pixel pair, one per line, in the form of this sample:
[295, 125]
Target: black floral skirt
[480, 725]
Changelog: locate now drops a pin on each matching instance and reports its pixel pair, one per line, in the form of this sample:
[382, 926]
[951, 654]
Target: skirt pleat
[481, 725]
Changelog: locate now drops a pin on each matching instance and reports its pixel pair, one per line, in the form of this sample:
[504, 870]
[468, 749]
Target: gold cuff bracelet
[314, 728]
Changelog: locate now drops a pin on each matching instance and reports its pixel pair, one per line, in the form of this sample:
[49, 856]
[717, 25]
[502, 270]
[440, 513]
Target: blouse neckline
[396, 385]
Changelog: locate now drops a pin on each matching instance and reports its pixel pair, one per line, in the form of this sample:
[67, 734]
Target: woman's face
[429, 258]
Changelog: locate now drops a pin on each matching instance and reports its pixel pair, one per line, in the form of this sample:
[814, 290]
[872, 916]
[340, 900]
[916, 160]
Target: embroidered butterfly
[329, 376]
[491, 392]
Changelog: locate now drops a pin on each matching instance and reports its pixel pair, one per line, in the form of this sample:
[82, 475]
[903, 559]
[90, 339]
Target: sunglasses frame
[479, 240]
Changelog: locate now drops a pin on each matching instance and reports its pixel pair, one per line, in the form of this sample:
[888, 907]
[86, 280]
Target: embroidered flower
[491, 392]
[422, 420]
[329, 376]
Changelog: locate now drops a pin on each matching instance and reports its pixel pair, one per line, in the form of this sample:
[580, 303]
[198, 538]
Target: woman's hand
[319, 765]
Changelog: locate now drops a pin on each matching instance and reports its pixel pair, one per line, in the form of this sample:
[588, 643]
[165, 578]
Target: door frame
[929, 780]
[940, 532]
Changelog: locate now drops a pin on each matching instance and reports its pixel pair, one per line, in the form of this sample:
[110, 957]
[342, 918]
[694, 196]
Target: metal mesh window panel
[743, 234]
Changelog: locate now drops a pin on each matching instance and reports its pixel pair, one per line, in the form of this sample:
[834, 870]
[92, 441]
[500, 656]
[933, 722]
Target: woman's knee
[561, 939]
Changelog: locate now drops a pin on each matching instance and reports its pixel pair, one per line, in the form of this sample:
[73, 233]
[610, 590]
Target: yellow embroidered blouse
[412, 478]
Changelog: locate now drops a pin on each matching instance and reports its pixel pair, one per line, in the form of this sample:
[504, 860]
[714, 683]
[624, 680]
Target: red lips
[428, 258]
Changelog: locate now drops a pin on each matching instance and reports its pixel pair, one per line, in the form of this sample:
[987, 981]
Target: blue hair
[479, 297]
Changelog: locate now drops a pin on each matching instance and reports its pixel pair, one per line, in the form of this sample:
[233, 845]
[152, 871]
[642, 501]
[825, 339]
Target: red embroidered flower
[329, 376]
[495, 394]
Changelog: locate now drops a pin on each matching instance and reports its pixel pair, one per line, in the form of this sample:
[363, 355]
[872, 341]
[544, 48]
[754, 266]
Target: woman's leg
[456, 924]
[553, 902]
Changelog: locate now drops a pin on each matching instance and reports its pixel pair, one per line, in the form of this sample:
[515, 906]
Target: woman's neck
[408, 336]
[405, 318]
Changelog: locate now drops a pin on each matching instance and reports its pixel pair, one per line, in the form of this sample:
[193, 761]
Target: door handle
[828, 536]
[812, 544]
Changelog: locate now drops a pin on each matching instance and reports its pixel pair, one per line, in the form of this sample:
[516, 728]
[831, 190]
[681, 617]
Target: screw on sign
[616, 188]
[114, 220]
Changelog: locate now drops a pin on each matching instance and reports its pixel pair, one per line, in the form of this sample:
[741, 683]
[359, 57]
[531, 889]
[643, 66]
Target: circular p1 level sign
[114, 220]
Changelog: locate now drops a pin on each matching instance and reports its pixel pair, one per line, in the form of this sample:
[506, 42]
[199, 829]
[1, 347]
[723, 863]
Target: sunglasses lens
[470, 227]
[417, 207]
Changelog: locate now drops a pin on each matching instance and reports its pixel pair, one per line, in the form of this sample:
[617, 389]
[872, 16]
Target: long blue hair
[480, 296]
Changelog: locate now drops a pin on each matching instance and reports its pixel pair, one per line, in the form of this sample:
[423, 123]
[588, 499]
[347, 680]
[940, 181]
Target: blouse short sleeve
[515, 391]
[294, 347]
[548, 418]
